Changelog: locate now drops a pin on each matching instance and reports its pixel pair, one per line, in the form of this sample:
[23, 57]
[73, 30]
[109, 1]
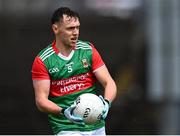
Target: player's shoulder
[83, 45]
[46, 51]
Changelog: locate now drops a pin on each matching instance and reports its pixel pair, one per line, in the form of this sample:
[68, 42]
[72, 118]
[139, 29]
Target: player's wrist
[109, 102]
[62, 111]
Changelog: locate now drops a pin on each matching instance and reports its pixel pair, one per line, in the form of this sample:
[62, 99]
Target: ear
[55, 28]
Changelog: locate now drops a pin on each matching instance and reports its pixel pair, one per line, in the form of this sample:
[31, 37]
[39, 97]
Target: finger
[100, 96]
[71, 109]
[79, 123]
[104, 116]
[103, 113]
[73, 106]
[78, 120]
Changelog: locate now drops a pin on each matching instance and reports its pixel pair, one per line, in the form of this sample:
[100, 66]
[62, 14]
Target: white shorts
[100, 132]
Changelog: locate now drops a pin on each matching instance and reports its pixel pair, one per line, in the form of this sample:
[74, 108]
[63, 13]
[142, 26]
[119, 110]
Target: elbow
[113, 85]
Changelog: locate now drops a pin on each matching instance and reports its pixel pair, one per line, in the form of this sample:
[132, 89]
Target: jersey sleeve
[97, 61]
[39, 71]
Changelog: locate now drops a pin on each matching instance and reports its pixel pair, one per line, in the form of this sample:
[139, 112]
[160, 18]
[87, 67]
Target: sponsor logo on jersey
[72, 84]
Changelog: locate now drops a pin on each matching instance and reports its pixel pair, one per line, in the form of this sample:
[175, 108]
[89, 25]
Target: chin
[73, 44]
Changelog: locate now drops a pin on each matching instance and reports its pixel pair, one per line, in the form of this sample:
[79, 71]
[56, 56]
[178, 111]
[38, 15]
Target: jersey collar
[54, 47]
[61, 55]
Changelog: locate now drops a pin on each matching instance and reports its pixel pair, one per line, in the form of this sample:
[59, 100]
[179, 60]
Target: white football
[90, 107]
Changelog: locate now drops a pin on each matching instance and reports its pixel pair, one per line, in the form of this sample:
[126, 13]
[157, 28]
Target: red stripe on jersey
[72, 84]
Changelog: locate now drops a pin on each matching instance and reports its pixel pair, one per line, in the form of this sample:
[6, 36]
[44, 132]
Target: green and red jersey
[70, 77]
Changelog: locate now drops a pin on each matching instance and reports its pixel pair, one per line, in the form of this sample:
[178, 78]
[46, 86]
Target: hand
[68, 113]
[107, 105]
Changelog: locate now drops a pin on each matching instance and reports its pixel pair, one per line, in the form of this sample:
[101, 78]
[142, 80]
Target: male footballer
[65, 69]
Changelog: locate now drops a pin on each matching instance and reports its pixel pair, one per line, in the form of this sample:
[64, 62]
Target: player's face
[69, 30]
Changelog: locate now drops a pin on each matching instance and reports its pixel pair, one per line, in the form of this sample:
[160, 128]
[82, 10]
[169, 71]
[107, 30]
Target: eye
[71, 28]
[78, 27]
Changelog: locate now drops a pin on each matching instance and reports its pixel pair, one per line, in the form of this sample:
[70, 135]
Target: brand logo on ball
[86, 113]
[99, 117]
[78, 100]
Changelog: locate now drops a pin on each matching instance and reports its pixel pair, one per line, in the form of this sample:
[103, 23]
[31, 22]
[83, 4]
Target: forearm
[48, 106]
[110, 90]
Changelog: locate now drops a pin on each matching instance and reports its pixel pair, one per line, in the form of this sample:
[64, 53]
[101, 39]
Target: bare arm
[41, 88]
[103, 76]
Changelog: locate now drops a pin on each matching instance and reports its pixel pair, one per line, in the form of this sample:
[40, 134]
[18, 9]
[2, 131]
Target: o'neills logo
[72, 84]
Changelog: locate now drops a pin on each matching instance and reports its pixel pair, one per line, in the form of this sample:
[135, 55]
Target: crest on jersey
[85, 63]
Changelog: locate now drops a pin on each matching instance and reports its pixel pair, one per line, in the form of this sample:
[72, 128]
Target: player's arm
[41, 88]
[110, 90]
[103, 76]
[41, 84]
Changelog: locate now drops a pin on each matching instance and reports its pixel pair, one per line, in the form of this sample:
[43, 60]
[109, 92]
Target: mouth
[74, 39]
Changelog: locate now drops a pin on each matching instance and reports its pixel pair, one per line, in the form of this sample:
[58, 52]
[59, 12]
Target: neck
[63, 49]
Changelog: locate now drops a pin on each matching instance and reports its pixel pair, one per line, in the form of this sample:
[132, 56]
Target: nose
[76, 31]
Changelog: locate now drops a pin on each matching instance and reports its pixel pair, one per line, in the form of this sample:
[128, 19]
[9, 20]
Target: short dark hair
[58, 14]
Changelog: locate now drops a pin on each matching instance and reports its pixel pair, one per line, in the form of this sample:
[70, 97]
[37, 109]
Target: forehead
[70, 20]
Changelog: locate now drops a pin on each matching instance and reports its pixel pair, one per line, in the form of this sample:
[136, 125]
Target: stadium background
[138, 40]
